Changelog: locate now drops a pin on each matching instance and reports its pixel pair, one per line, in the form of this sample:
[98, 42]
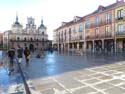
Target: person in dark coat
[11, 55]
[27, 55]
[20, 54]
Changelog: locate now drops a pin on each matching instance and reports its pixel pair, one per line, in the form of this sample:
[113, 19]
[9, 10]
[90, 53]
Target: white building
[30, 36]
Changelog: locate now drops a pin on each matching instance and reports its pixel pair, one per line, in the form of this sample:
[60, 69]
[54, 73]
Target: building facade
[30, 36]
[101, 30]
[120, 27]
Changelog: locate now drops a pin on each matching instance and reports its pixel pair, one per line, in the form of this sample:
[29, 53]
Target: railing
[119, 19]
[99, 36]
[101, 23]
[27, 90]
[16, 40]
[120, 33]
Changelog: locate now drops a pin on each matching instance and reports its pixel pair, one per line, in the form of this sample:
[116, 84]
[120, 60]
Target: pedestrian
[19, 54]
[11, 55]
[27, 56]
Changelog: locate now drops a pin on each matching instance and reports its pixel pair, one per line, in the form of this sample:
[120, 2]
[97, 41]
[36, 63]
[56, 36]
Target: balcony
[120, 34]
[102, 36]
[101, 23]
[36, 40]
[108, 35]
[120, 19]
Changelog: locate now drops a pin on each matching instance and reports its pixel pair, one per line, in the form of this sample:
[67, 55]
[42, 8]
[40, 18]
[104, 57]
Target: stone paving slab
[115, 90]
[85, 90]
[102, 79]
[85, 80]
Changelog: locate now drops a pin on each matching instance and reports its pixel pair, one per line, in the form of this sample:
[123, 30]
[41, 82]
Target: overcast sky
[53, 11]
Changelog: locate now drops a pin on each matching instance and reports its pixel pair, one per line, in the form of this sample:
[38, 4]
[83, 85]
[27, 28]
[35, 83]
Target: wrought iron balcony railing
[109, 35]
[120, 19]
[36, 40]
[101, 23]
[120, 33]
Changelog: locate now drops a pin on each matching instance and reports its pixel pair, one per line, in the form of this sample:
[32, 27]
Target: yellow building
[120, 26]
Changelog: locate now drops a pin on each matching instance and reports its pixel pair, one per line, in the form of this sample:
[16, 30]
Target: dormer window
[76, 18]
[100, 8]
[63, 23]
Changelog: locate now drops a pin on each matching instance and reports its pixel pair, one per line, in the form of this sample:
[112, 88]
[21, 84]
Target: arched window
[97, 21]
[80, 28]
[37, 44]
[42, 33]
[31, 39]
[42, 39]
[18, 38]
[25, 38]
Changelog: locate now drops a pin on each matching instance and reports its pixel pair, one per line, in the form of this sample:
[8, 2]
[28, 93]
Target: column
[84, 45]
[72, 48]
[58, 46]
[68, 47]
[115, 45]
[78, 46]
[102, 45]
[72, 45]
[93, 46]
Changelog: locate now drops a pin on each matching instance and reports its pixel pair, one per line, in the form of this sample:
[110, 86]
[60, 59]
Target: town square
[84, 54]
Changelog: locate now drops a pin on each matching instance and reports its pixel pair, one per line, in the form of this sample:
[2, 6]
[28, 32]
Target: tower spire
[42, 20]
[16, 17]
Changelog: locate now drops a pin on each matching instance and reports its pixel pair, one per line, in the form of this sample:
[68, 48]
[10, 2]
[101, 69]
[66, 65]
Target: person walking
[11, 55]
[19, 54]
[27, 56]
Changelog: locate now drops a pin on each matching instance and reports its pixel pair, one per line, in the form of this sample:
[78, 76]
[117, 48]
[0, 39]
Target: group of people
[17, 54]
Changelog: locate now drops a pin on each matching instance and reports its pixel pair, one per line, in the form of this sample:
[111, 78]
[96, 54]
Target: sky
[53, 12]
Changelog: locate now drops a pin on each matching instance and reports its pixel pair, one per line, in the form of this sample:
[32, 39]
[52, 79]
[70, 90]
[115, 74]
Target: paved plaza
[87, 74]
[69, 74]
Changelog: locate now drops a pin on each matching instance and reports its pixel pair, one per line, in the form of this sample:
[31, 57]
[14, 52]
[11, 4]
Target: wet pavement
[87, 74]
[9, 84]
[65, 74]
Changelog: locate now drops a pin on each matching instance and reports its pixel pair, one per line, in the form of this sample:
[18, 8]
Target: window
[120, 14]
[107, 17]
[70, 30]
[80, 28]
[96, 32]
[25, 44]
[97, 21]
[120, 29]
[80, 37]
[18, 38]
[74, 29]
[87, 24]
[42, 39]
[42, 33]
[31, 39]
[65, 34]
[107, 30]
[88, 34]
[65, 31]
[24, 38]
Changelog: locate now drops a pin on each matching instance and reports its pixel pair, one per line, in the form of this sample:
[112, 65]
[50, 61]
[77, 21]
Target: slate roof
[96, 11]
